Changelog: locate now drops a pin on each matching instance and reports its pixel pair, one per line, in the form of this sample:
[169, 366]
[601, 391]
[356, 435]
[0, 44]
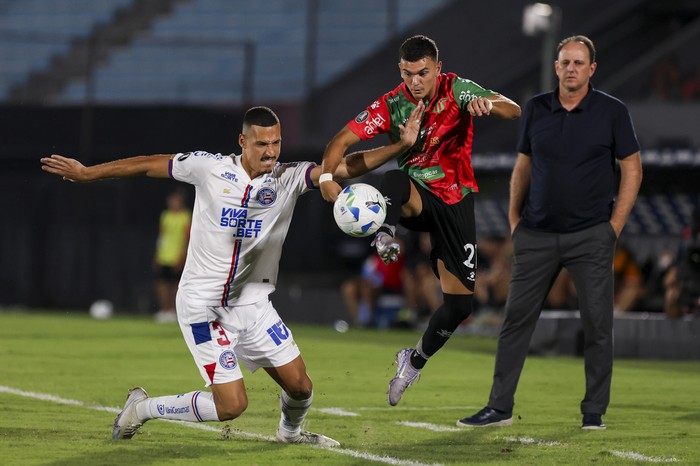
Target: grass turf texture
[654, 413]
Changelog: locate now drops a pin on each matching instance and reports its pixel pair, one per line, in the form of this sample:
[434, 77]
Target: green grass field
[65, 375]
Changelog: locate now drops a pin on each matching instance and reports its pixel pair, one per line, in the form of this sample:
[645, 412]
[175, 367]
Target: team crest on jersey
[266, 196]
[439, 105]
[362, 116]
[227, 360]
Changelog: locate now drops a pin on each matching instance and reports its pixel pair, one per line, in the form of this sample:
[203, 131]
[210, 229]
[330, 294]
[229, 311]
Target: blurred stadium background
[101, 79]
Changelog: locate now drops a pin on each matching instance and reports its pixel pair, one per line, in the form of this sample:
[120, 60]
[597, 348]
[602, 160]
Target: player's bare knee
[230, 411]
[301, 390]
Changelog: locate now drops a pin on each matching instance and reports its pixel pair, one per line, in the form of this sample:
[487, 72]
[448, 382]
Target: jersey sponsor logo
[467, 95]
[362, 116]
[227, 360]
[278, 332]
[434, 141]
[237, 219]
[162, 409]
[201, 153]
[372, 124]
[266, 196]
[427, 174]
[418, 159]
[375, 105]
[392, 100]
[184, 156]
[229, 176]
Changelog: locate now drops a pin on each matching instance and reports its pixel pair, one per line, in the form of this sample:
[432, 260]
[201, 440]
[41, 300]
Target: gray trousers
[537, 260]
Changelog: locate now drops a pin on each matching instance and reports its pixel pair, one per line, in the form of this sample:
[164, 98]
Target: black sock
[417, 360]
[396, 187]
[444, 321]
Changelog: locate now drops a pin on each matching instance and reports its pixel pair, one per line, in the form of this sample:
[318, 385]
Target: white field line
[346, 412]
[532, 441]
[336, 411]
[639, 457]
[433, 427]
[194, 425]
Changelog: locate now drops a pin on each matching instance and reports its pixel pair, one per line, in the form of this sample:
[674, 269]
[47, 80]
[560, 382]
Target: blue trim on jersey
[246, 195]
[237, 247]
[170, 168]
[309, 183]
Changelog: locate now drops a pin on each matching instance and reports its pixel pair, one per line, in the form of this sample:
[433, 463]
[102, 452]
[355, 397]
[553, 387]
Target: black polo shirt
[573, 183]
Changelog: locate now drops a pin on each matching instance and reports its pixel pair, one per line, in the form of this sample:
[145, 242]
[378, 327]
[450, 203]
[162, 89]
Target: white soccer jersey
[238, 226]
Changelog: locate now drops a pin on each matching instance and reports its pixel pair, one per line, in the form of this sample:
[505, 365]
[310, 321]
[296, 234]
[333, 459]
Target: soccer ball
[359, 210]
[101, 309]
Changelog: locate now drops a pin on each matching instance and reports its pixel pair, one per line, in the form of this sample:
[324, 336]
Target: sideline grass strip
[654, 413]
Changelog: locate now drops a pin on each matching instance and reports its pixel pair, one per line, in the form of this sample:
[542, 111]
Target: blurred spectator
[422, 287]
[629, 289]
[628, 282]
[656, 273]
[375, 296]
[665, 81]
[682, 281]
[690, 90]
[171, 251]
[495, 259]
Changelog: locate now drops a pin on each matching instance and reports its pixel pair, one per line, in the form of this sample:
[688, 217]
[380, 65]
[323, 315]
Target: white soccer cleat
[406, 374]
[308, 438]
[127, 423]
[387, 248]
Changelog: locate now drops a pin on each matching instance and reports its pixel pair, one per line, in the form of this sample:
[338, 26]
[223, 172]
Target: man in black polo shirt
[563, 213]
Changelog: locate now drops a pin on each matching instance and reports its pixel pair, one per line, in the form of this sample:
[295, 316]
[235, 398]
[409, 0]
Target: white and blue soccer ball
[359, 210]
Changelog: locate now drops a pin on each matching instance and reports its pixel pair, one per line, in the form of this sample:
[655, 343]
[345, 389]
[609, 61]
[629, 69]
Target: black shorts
[167, 273]
[452, 231]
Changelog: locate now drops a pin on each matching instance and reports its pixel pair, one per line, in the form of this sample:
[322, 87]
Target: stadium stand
[32, 32]
[206, 52]
[178, 71]
[660, 215]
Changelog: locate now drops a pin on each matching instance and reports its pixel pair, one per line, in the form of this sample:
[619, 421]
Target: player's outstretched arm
[155, 166]
[360, 162]
[497, 105]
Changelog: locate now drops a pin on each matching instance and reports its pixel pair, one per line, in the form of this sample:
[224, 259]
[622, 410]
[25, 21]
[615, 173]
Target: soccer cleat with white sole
[308, 438]
[127, 423]
[406, 374]
[387, 248]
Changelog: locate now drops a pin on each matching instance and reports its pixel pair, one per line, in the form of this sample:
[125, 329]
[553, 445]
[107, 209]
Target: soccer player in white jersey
[242, 211]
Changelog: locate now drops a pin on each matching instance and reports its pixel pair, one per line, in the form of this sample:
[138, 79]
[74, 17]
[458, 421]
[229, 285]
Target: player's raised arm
[360, 162]
[332, 158]
[155, 166]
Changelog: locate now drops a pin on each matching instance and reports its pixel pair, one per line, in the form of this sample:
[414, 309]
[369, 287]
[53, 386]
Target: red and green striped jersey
[441, 159]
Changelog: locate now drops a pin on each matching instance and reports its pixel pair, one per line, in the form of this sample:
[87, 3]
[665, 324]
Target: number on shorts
[471, 255]
[223, 341]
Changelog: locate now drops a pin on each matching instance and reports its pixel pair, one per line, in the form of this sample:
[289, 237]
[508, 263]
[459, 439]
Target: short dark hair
[579, 38]
[260, 116]
[417, 47]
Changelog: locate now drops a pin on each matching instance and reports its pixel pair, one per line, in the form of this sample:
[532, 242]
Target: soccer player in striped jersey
[432, 189]
[242, 211]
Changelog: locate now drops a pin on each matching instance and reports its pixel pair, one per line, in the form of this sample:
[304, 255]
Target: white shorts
[221, 337]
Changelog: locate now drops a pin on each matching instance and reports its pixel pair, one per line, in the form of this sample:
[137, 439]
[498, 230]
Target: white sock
[193, 406]
[293, 414]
